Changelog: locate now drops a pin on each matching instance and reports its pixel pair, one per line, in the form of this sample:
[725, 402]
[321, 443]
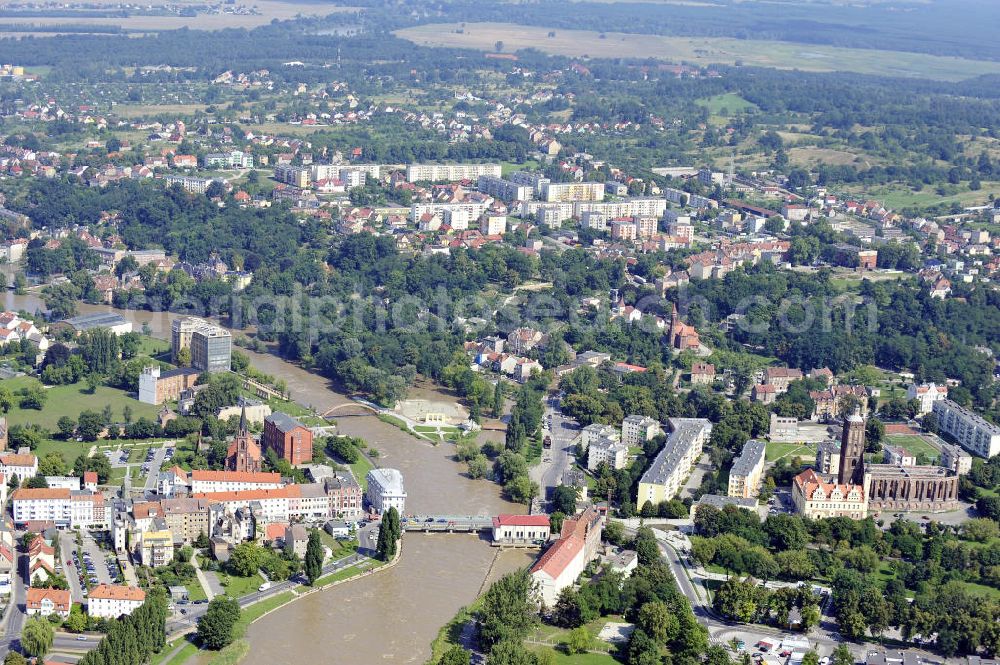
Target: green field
[71, 400]
[776, 450]
[700, 51]
[915, 445]
[730, 102]
[561, 658]
[237, 587]
[360, 470]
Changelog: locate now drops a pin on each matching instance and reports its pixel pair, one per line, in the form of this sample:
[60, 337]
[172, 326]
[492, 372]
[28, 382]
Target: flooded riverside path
[390, 616]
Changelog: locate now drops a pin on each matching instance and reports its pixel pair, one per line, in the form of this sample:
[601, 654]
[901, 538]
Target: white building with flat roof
[972, 431]
[386, 490]
[450, 172]
[665, 477]
[636, 430]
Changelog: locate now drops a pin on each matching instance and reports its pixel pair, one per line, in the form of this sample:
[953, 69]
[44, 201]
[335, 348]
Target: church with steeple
[244, 452]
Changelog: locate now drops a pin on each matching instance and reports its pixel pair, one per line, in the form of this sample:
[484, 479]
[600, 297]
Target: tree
[645, 546]
[478, 466]
[14, 658]
[579, 640]
[20, 284]
[564, 499]
[215, 628]
[506, 612]
[77, 621]
[37, 637]
[67, 426]
[455, 656]
[657, 620]
[388, 534]
[245, 559]
[314, 557]
[842, 655]
[90, 425]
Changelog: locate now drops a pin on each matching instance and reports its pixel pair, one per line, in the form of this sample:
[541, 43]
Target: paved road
[180, 623]
[15, 616]
[559, 458]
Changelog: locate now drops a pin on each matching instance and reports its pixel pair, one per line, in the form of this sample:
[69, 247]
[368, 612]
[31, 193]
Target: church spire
[243, 419]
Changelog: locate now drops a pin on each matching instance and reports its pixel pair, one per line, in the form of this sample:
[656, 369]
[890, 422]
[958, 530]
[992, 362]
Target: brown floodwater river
[393, 615]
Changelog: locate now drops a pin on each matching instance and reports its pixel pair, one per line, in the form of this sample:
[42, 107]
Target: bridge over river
[447, 523]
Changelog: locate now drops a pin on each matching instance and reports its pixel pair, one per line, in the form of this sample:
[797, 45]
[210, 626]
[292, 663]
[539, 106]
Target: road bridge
[447, 523]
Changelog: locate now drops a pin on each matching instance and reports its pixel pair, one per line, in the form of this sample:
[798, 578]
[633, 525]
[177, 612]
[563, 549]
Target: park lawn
[117, 476]
[914, 444]
[71, 400]
[776, 450]
[981, 590]
[182, 656]
[554, 634]
[340, 548]
[360, 470]
[152, 347]
[350, 571]
[237, 587]
[195, 592]
[257, 610]
[70, 450]
[575, 659]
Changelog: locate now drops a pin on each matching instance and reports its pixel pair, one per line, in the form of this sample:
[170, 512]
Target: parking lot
[94, 567]
[141, 461]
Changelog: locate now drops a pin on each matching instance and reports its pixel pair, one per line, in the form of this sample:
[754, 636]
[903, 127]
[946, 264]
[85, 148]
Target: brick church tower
[852, 451]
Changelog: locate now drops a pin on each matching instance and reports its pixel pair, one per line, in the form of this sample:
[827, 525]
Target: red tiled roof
[59, 597]
[521, 520]
[28, 493]
[557, 557]
[116, 592]
[236, 476]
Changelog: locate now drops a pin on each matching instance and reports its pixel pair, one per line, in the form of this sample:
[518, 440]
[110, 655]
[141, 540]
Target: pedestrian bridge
[447, 523]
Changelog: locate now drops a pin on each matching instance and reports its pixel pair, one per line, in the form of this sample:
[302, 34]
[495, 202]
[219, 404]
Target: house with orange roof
[112, 601]
[561, 564]
[45, 602]
[233, 481]
[816, 497]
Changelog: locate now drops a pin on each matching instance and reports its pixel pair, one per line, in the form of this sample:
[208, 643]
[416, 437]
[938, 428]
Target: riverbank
[439, 574]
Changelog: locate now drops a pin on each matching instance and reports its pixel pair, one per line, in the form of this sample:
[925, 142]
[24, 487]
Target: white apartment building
[505, 190]
[108, 601]
[665, 476]
[233, 481]
[561, 192]
[640, 206]
[552, 211]
[451, 213]
[493, 225]
[63, 507]
[976, 434]
[926, 394]
[450, 172]
[386, 490]
[596, 431]
[612, 452]
[63, 482]
[747, 471]
[532, 179]
[636, 430]
[22, 465]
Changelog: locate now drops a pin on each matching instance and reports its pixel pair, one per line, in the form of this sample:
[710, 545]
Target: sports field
[914, 444]
[775, 450]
